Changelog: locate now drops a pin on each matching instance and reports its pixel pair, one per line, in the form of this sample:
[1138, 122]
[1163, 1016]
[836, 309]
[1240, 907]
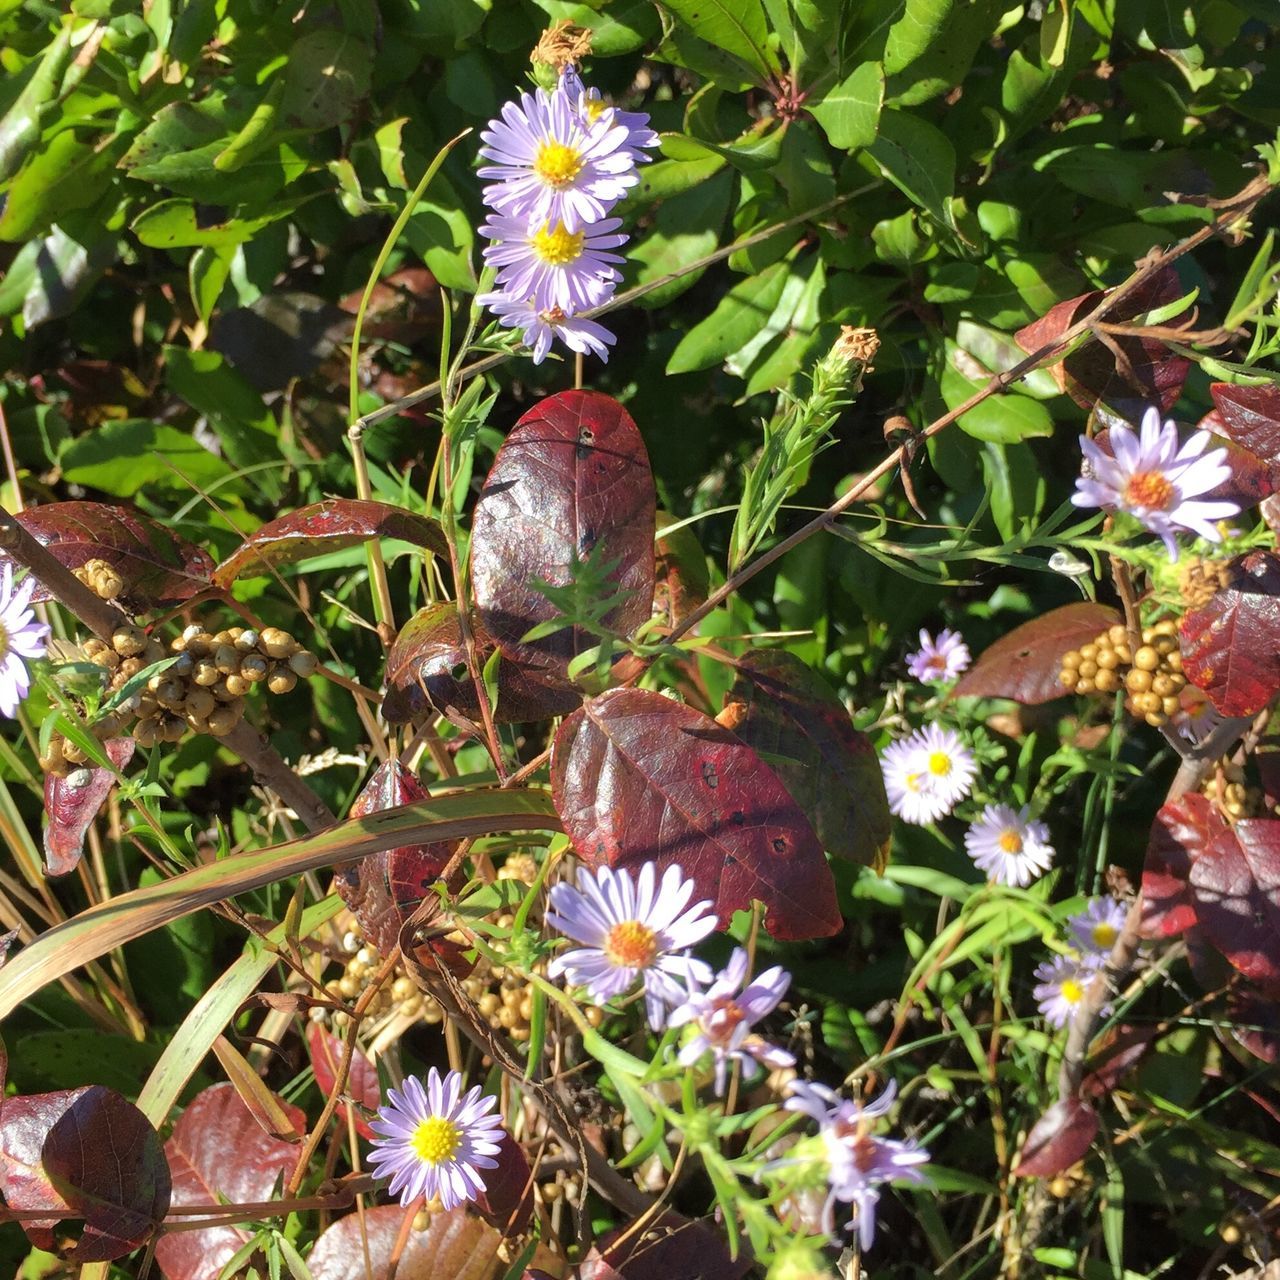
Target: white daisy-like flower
[1151, 478]
[1008, 845]
[1095, 929]
[1063, 982]
[941, 659]
[927, 774]
[433, 1141]
[21, 639]
[540, 327]
[632, 929]
[552, 267]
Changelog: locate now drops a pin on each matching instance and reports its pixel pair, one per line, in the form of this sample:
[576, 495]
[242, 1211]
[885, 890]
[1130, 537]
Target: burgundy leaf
[571, 481]
[792, 718]
[1024, 665]
[682, 580]
[1118, 1052]
[327, 1052]
[1235, 887]
[1058, 1139]
[1251, 480]
[670, 1247]
[507, 1199]
[84, 1154]
[71, 802]
[637, 777]
[1254, 1020]
[154, 563]
[1179, 835]
[427, 670]
[1154, 374]
[217, 1151]
[1250, 417]
[331, 525]
[1231, 645]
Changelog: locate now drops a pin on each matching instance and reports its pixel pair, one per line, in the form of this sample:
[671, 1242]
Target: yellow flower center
[555, 245]
[1010, 841]
[915, 782]
[1150, 489]
[4, 642]
[939, 764]
[631, 945]
[436, 1140]
[1072, 991]
[596, 107]
[1105, 935]
[556, 164]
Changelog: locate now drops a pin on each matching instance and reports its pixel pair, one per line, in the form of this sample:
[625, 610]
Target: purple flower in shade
[591, 107]
[1095, 929]
[21, 637]
[432, 1141]
[723, 1015]
[1062, 986]
[540, 327]
[1155, 481]
[940, 659]
[550, 267]
[555, 164]
[926, 774]
[632, 929]
[860, 1163]
[1008, 845]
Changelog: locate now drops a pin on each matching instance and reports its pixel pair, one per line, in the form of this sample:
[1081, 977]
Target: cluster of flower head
[560, 160]
[21, 639]
[1063, 981]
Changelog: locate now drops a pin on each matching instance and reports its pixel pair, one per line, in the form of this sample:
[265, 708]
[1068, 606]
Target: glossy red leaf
[84, 1154]
[1231, 645]
[155, 564]
[427, 670]
[790, 716]
[1251, 480]
[1235, 888]
[637, 777]
[1118, 1052]
[1154, 374]
[1179, 835]
[1059, 1139]
[507, 1199]
[331, 525]
[327, 1052]
[1250, 417]
[682, 580]
[71, 802]
[669, 1247]
[1024, 665]
[571, 481]
[218, 1152]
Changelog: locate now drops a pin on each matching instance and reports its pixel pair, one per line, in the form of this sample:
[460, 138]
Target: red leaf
[682, 581]
[1254, 1021]
[789, 715]
[507, 1199]
[71, 803]
[637, 777]
[1235, 886]
[1180, 833]
[326, 1052]
[1119, 1051]
[1231, 645]
[217, 1151]
[572, 480]
[332, 525]
[1251, 479]
[670, 1247]
[1024, 665]
[1058, 1139]
[427, 669]
[1250, 416]
[84, 1153]
[155, 564]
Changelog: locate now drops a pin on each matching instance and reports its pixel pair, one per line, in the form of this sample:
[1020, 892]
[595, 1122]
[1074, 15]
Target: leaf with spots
[1024, 664]
[571, 483]
[637, 777]
[71, 802]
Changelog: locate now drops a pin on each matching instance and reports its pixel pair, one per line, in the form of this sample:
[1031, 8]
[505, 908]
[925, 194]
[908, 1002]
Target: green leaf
[178, 224]
[670, 178]
[850, 112]
[922, 22]
[757, 148]
[206, 274]
[121, 457]
[737, 27]
[686, 229]
[326, 78]
[69, 173]
[739, 316]
[918, 159]
[1005, 419]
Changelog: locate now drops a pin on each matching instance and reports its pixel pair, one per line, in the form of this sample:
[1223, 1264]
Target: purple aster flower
[632, 929]
[724, 1014]
[927, 774]
[860, 1163]
[1062, 986]
[1008, 845]
[1155, 481]
[1095, 929]
[555, 164]
[21, 637]
[591, 107]
[432, 1141]
[540, 327]
[552, 267]
[940, 659]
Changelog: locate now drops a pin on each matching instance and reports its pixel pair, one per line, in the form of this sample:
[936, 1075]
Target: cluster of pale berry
[1151, 675]
[1227, 788]
[101, 578]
